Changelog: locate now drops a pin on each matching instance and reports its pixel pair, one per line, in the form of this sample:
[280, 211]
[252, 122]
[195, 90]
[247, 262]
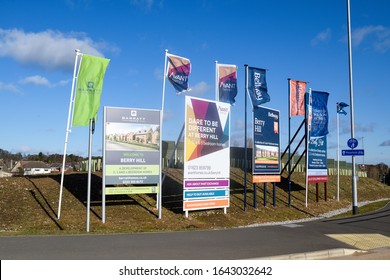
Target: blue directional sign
[352, 143]
[354, 152]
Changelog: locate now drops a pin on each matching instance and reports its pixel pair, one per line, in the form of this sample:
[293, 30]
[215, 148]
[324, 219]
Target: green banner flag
[89, 89]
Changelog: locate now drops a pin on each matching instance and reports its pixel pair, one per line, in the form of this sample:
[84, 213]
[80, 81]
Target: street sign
[352, 143]
[355, 152]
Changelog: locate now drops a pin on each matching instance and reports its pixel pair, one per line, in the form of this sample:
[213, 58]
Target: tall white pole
[216, 81]
[91, 130]
[308, 129]
[68, 129]
[159, 196]
[104, 167]
[354, 183]
[338, 156]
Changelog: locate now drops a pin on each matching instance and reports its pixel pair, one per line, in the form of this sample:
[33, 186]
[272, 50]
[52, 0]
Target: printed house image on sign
[141, 136]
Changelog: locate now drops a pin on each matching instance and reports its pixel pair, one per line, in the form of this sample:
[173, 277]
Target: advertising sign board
[131, 149]
[317, 162]
[266, 141]
[207, 154]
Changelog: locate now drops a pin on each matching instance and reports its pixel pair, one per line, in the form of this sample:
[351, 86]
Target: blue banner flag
[257, 86]
[340, 108]
[319, 113]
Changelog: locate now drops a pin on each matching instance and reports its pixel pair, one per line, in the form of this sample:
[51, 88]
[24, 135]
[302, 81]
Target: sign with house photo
[131, 150]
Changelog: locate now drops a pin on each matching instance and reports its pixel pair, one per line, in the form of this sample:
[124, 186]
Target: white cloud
[49, 49]
[385, 143]
[322, 37]
[239, 124]
[159, 73]
[9, 87]
[199, 89]
[360, 34]
[144, 4]
[25, 149]
[35, 80]
[63, 82]
[42, 81]
[379, 35]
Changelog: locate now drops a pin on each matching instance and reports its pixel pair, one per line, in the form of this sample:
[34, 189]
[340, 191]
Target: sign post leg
[274, 194]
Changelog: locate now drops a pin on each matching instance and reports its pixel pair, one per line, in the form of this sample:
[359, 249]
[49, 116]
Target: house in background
[31, 168]
[3, 166]
[4, 170]
[56, 167]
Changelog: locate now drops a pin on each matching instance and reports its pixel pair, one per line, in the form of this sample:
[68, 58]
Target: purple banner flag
[227, 83]
[179, 69]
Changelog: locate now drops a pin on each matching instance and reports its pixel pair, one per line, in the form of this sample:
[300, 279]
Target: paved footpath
[321, 239]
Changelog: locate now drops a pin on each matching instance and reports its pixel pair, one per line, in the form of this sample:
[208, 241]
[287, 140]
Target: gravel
[322, 216]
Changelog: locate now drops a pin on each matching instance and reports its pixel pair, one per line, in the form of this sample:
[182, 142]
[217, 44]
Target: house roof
[33, 164]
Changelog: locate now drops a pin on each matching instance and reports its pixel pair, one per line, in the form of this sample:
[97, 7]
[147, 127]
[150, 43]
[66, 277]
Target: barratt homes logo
[133, 117]
[90, 88]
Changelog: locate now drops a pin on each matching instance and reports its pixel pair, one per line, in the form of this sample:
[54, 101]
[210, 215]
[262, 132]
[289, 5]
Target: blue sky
[303, 40]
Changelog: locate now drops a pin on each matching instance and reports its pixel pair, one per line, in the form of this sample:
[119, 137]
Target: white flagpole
[159, 196]
[338, 155]
[216, 81]
[354, 182]
[68, 129]
[104, 167]
[307, 145]
[91, 130]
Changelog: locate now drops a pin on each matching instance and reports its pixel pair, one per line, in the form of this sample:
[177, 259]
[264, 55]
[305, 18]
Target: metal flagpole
[104, 167]
[289, 144]
[159, 196]
[308, 129]
[68, 129]
[91, 130]
[354, 183]
[245, 138]
[338, 153]
[216, 81]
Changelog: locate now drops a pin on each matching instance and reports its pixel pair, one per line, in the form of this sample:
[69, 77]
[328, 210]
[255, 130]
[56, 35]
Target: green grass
[28, 205]
[365, 209]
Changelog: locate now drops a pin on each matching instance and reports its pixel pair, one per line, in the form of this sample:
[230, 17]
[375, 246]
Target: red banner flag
[297, 98]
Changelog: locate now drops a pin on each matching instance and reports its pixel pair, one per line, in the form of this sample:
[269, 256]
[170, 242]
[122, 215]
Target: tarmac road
[360, 237]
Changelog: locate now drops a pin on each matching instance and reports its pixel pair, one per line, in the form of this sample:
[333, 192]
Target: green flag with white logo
[89, 89]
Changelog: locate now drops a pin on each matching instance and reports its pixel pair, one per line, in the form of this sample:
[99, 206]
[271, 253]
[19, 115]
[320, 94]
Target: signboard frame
[131, 153]
[317, 169]
[206, 154]
[266, 143]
